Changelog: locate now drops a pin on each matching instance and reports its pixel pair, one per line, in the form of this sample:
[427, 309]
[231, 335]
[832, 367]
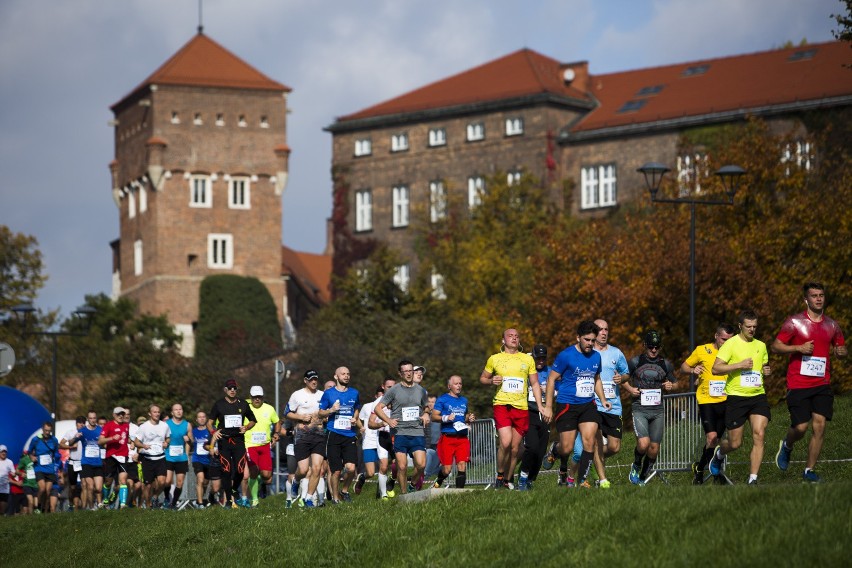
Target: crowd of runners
[334, 440]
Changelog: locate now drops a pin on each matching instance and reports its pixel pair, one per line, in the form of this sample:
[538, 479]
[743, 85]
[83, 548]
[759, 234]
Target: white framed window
[197, 120]
[363, 210]
[200, 192]
[264, 121]
[363, 147]
[475, 131]
[513, 177]
[690, 168]
[241, 121]
[220, 250]
[438, 286]
[131, 205]
[437, 201]
[800, 153]
[402, 276]
[143, 200]
[514, 126]
[437, 137]
[239, 193]
[401, 204]
[137, 257]
[598, 186]
[175, 117]
[475, 191]
[399, 142]
[220, 119]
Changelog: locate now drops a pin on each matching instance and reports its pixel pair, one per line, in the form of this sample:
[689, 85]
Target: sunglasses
[231, 388]
[653, 347]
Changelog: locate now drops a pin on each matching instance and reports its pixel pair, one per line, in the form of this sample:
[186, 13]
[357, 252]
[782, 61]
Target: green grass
[779, 523]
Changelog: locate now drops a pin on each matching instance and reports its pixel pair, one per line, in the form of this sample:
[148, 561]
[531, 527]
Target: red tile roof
[769, 78]
[810, 73]
[312, 273]
[203, 62]
[522, 73]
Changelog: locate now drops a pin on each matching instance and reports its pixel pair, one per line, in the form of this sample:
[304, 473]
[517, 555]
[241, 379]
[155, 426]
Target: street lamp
[82, 315]
[730, 175]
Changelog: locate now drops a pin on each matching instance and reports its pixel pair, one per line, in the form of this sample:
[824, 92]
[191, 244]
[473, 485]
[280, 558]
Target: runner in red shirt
[808, 338]
[114, 438]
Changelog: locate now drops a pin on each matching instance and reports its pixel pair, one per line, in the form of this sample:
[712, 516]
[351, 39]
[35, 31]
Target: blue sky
[63, 63]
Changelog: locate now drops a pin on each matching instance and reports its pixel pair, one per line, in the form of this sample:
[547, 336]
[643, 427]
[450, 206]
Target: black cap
[539, 351]
[653, 338]
[311, 374]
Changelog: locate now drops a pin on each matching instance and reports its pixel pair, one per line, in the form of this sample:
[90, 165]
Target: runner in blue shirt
[46, 448]
[341, 404]
[451, 411]
[177, 461]
[579, 368]
[92, 473]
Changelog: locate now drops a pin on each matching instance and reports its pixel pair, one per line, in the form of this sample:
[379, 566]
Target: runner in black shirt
[227, 423]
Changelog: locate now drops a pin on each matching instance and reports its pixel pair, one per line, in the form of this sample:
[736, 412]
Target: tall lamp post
[83, 315]
[654, 172]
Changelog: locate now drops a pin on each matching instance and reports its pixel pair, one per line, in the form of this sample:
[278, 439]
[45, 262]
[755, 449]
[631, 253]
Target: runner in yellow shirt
[513, 372]
[745, 361]
[258, 442]
[710, 395]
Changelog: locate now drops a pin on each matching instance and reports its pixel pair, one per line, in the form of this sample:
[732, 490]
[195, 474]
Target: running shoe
[810, 476]
[522, 485]
[391, 493]
[300, 502]
[110, 499]
[604, 484]
[345, 496]
[782, 457]
[288, 504]
[436, 485]
[570, 483]
[123, 506]
[411, 488]
[529, 484]
[385, 498]
[498, 483]
[716, 462]
[752, 482]
[585, 485]
[391, 483]
[697, 474]
[359, 483]
[633, 476]
[294, 491]
[309, 504]
[562, 478]
[233, 505]
[255, 503]
[549, 457]
[509, 485]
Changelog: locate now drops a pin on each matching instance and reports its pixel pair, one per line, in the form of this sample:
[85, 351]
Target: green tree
[20, 268]
[237, 321]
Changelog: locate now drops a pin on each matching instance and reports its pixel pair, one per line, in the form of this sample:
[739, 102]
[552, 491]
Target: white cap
[3, 448]
[256, 391]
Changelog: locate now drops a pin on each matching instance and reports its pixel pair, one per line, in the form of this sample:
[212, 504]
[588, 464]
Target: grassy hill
[782, 522]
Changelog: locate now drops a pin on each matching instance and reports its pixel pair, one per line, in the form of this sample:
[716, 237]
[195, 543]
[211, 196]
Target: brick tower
[201, 160]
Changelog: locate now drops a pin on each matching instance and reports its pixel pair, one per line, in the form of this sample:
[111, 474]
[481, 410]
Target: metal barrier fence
[482, 468]
[683, 439]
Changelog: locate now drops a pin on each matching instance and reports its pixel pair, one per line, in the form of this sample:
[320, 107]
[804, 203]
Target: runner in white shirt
[70, 442]
[373, 451]
[151, 439]
[309, 447]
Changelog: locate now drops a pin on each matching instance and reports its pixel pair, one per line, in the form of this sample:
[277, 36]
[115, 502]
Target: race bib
[717, 388]
[176, 450]
[45, 459]
[30, 473]
[652, 397]
[410, 413]
[813, 366]
[103, 453]
[119, 459]
[751, 379]
[459, 426]
[585, 387]
[92, 452]
[258, 438]
[233, 420]
[155, 448]
[291, 450]
[343, 423]
[77, 466]
[513, 385]
[200, 449]
[609, 390]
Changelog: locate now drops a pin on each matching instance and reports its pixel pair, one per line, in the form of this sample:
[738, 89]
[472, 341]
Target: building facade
[583, 136]
[201, 161]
